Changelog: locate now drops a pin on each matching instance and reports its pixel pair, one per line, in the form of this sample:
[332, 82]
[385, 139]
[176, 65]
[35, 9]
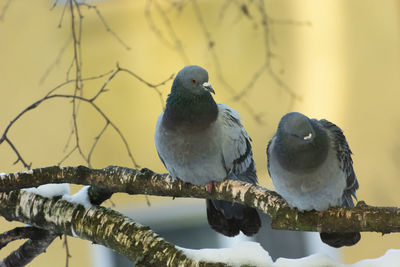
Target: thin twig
[217, 64]
[4, 9]
[4, 136]
[67, 156]
[62, 15]
[67, 254]
[77, 63]
[54, 4]
[154, 86]
[289, 22]
[56, 61]
[19, 157]
[177, 43]
[96, 140]
[104, 22]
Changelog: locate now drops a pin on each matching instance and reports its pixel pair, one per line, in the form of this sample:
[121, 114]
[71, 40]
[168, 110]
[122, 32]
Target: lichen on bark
[139, 243]
[97, 224]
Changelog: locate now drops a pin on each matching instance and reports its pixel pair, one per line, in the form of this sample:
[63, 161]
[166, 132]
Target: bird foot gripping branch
[211, 185]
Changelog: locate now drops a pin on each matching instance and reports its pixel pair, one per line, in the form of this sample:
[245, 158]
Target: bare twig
[217, 64]
[62, 14]
[154, 86]
[267, 66]
[56, 61]
[67, 254]
[29, 250]
[77, 63]
[96, 140]
[104, 22]
[177, 43]
[55, 3]
[19, 157]
[66, 156]
[103, 87]
[4, 136]
[289, 22]
[224, 8]
[51, 94]
[3, 11]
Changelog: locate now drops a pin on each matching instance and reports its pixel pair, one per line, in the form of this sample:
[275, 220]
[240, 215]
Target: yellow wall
[344, 66]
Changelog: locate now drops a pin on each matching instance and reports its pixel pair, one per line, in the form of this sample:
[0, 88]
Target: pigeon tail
[338, 240]
[230, 218]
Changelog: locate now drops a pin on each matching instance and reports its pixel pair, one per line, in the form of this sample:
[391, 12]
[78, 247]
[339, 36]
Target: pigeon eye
[193, 81]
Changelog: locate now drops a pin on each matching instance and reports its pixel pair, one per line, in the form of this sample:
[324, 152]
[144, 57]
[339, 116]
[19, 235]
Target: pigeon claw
[211, 184]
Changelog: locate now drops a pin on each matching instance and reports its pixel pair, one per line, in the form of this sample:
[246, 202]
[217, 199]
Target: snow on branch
[97, 224]
[144, 181]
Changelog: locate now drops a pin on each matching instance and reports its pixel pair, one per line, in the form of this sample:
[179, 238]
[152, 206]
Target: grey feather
[207, 155]
[346, 163]
[311, 173]
[200, 141]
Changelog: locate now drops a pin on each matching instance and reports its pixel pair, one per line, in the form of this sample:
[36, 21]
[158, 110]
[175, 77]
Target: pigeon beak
[207, 87]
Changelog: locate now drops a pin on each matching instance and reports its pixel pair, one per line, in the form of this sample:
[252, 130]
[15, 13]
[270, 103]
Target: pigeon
[202, 142]
[311, 167]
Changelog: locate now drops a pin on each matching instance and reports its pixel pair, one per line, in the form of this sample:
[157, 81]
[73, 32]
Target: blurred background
[338, 60]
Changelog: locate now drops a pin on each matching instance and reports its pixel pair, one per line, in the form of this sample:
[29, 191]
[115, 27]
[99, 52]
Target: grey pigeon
[310, 164]
[200, 141]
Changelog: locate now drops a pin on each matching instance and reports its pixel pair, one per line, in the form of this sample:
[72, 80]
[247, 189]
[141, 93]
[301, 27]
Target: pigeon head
[193, 79]
[302, 144]
[190, 106]
[297, 127]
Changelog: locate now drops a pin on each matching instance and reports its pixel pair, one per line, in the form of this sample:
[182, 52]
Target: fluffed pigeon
[310, 164]
[200, 141]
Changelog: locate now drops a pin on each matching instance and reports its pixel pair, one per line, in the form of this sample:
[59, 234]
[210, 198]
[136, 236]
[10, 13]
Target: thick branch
[144, 181]
[97, 224]
[20, 233]
[29, 250]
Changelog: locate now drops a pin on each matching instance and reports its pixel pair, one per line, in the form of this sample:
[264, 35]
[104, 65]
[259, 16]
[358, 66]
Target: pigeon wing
[346, 162]
[236, 147]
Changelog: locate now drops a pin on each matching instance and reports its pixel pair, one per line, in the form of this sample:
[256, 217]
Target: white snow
[81, 197]
[49, 190]
[73, 232]
[390, 259]
[52, 190]
[315, 260]
[253, 254]
[314, 245]
[243, 253]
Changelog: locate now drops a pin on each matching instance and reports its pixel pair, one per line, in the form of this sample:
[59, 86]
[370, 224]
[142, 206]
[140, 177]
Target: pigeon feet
[211, 185]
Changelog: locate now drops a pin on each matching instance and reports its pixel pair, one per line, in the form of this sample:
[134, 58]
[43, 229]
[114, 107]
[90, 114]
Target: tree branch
[39, 240]
[97, 224]
[144, 181]
[20, 233]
